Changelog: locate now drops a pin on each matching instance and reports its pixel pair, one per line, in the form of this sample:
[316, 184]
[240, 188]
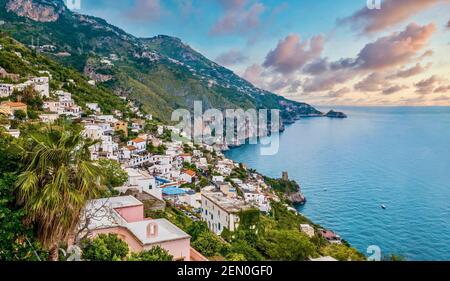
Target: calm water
[348, 168]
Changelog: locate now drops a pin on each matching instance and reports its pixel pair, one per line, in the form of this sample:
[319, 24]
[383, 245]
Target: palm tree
[58, 181]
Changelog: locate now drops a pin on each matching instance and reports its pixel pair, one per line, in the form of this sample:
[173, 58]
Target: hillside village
[196, 182]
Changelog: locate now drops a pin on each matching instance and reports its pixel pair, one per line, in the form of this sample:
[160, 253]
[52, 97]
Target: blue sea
[348, 168]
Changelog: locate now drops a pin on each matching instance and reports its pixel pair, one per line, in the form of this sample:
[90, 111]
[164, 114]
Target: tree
[236, 257]
[9, 155]
[16, 239]
[58, 181]
[154, 254]
[105, 247]
[208, 244]
[32, 114]
[196, 229]
[115, 176]
[30, 97]
[342, 253]
[20, 115]
[288, 245]
[243, 248]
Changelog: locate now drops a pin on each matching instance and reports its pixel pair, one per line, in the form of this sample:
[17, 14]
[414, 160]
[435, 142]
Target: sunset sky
[324, 52]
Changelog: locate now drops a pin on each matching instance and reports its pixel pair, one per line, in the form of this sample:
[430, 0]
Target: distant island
[335, 114]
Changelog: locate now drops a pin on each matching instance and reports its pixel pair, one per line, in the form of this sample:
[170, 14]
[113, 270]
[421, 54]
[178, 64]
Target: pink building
[124, 216]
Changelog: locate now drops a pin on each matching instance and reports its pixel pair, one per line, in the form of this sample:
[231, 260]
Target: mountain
[160, 73]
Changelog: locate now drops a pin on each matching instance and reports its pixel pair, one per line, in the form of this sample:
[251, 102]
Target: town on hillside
[164, 180]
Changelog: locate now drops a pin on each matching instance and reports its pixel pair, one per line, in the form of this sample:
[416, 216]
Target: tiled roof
[138, 140]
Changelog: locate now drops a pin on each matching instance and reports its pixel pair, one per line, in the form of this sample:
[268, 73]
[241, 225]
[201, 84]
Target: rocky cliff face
[41, 11]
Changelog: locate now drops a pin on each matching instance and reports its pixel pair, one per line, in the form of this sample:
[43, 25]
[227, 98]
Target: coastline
[293, 206]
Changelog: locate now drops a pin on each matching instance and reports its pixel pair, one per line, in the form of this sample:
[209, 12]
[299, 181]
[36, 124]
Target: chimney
[152, 230]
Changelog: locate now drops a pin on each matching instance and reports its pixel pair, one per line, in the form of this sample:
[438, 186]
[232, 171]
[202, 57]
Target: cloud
[394, 89]
[238, 17]
[317, 67]
[231, 57]
[442, 89]
[144, 10]
[339, 93]
[327, 80]
[254, 74]
[392, 12]
[232, 4]
[291, 54]
[409, 72]
[428, 53]
[426, 86]
[381, 55]
[375, 82]
[442, 98]
[397, 48]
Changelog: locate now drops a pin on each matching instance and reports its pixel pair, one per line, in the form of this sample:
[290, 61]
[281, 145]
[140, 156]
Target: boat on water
[383, 207]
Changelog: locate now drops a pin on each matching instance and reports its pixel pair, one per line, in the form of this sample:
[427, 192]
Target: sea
[396, 157]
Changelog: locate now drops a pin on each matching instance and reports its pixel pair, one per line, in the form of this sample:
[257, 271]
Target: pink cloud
[145, 10]
[396, 48]
[442, 89]
[254, 74]
[394, 89]
[373, 83]
[392, 12]
[427, 86]
[238, 17]
[383, 54]
[291, 54]
[409, 72]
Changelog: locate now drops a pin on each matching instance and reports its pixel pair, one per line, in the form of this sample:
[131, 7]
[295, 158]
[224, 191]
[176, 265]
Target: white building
[139, 159]
[93, 106]
[107, 118]
[39, 84]
[143, 182]
[220, 211]
[6, 90]
[49, 118]
[139, 144]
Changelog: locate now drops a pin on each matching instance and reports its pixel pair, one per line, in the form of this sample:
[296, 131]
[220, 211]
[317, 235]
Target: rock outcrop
[335, 114]
[41, 11]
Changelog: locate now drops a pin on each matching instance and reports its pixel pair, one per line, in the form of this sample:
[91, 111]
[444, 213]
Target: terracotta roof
[138, 140]
[186, 155]
[13, 104]
[131, 148]
[190, 173]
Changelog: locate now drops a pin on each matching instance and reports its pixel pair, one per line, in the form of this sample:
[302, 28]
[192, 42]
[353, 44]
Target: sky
[328, 52]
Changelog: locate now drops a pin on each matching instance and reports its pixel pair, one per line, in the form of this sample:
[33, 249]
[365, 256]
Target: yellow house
[10, 107]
